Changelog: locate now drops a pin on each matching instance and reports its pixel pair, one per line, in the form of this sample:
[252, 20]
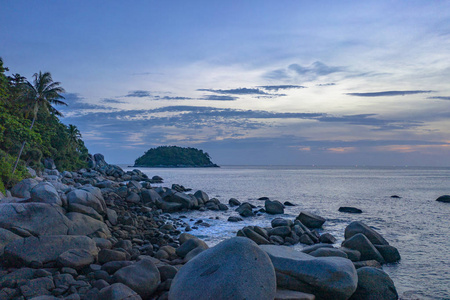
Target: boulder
[108, 255]
[277, 222]
[324, 277]
[86, 210]
[254, 236]
[234, 202]
[76, 259]
[349, 209]
[201, 196]
[112, 216]
[23, 188]
[282, 231]
[444, 198]
[118, 291]
[353, 255]
[85, 225]
[245, 210]
[32, 250]
[234, 269]
[142, 277]
[6, 237]
[190, 245]
[36, 218]
[310, 220]
[293, 295]
[374, 284]
[361, 243]
[274, 207]
[359, 227]
[327, 252]
[327, 238]
[88, 196]
[389, 253]
[235, 219]
[150, 196]
[45, 192]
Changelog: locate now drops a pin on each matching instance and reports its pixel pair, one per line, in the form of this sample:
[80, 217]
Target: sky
[249, 82]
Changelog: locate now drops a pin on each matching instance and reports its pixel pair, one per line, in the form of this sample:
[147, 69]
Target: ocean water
[416, 224]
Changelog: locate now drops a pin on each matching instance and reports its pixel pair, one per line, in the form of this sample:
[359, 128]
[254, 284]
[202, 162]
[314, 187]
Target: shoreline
[166, 228]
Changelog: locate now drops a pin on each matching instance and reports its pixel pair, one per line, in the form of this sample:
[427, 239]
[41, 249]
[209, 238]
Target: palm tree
[74, 135]
[41, 95]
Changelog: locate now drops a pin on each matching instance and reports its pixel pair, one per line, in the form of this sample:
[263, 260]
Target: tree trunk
[23, 146]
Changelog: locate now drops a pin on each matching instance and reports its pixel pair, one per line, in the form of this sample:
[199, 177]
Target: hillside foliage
[174, 156]
[47, 138]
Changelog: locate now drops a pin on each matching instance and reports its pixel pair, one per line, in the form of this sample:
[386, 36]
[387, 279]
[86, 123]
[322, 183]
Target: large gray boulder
[374, 284]
[359, 227]
[274, 207]
[444, 198]
[190, 245]
[310, 220]
[234, 269]
[84, 225]
[36, 218]
[361, 243]
[32, 250]
[88, 196]
[142, 277]
[6, 237]
[150, 196]
[45, 192]
[325, 277]
[23, 188]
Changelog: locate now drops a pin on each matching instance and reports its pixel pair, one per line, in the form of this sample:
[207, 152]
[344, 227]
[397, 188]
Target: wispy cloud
[306, 73]
[390, 93]
[276, 88]
[440, 97]
[238, 91]
[138, 94]
[76, 102]
[113, 101]
[219, 98]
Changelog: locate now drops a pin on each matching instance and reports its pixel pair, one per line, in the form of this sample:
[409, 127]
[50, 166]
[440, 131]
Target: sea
[415, 223]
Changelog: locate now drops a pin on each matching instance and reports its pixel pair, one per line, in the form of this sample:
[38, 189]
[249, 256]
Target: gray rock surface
[361, 243]
[32, 250]
[6, 237]
[310, 220]
[85, 225]
[76, 258]
[324, 277]
[24, 187]
[118, 291]
[45, 192]
[359, 227]
[88, 196]
[274, 207]
[234, 269]
[374, 284]
[36, 218]
[142, 277]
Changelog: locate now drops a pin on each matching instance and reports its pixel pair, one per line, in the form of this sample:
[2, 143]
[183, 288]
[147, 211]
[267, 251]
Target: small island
[175, 157]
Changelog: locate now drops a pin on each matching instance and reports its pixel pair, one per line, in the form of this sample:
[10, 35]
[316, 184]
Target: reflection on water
[416, 224]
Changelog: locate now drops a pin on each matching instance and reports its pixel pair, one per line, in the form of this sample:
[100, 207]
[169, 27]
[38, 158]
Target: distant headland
[175, 157]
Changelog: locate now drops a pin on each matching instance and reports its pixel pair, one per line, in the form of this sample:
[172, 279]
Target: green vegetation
[30, 129]
[173, 156]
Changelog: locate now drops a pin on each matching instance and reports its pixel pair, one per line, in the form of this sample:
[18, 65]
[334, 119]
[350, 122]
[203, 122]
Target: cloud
[238, 91]
[390, 93]
[76, 102]
[440, 97]
[317, 69]
[172, 98]
[138, 94]
[112, 101]
[219, 98]
[326, 84]
[276, 88]
[305, 73]
[370, 120]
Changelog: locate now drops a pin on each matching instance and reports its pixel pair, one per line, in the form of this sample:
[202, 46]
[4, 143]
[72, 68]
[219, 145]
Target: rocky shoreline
[102, 233]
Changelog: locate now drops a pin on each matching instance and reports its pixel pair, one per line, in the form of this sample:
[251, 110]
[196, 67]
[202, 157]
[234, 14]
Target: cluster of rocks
[102, 233]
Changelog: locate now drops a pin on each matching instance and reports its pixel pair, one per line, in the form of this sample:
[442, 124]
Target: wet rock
[274, 207]
[325, 277]
[396, 197]
[150, 196]
[312, 248]
[277, 222]
[282, 231]
[444, 198]
[328, 252]
[190, 245]
[361, 243]
[374, 284]
[327, 238]
[235, 219]
[353, 255]
[245, 210]
[349, 209]
[310, 220]
[255, 237]
[201, 196]
[359, 227]
[389, 253]
[234, 269]
[142, 277]
[287, 203]
[367, 263]
[293, 295]
[234, 202]
[306, 239]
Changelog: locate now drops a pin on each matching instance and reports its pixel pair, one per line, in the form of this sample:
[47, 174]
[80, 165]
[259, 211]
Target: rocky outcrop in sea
[102, 233]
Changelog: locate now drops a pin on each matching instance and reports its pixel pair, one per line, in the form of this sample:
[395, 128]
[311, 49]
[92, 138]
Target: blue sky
[250, 82]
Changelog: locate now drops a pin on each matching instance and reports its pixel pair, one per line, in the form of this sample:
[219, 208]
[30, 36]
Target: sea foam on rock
[234, 269]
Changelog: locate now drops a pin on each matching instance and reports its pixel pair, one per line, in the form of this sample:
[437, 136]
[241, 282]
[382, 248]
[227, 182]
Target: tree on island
[174, 156]
[41, 95]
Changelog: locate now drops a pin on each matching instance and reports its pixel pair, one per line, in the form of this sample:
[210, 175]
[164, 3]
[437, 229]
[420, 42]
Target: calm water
[416, 224]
